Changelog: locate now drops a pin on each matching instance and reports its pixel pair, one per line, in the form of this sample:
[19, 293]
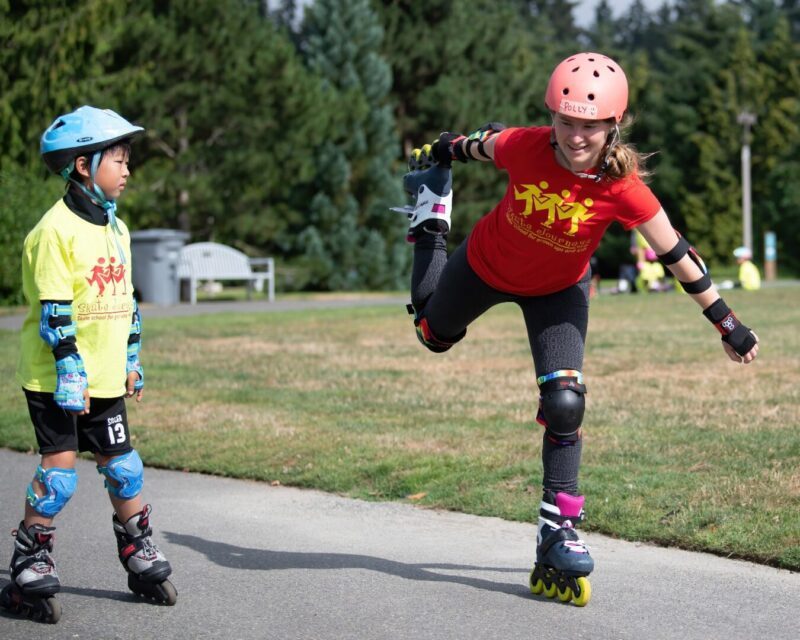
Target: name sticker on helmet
[584, 109]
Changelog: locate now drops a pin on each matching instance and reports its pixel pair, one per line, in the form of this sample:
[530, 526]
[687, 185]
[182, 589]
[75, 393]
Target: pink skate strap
[569, 506]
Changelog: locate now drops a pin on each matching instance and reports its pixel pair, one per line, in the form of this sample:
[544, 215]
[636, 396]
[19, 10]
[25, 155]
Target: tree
[227, 104]
[459, 65]
[351, 240]
[53, 59]
[776, 167]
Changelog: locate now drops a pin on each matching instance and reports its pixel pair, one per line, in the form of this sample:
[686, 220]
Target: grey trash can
[155, 254]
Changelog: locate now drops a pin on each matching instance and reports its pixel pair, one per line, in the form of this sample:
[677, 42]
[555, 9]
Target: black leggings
[453, 296]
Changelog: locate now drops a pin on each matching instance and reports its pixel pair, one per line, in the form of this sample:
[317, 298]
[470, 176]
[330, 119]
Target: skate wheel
[159, 592]
[46, 609]
[550, 591]
[537, 586]
[170, 593]
[582, 598]
[565, 595]
[50, 611]
[5, 597]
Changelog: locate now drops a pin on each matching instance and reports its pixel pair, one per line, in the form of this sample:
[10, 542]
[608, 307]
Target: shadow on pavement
[234, 557]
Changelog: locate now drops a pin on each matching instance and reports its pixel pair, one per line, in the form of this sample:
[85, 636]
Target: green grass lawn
[682, 446]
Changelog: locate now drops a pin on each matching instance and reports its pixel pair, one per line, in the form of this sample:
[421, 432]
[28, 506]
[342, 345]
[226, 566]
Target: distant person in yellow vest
[749, 277]
[651, 276]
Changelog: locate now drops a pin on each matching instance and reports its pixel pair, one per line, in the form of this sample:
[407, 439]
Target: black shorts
[104, 430]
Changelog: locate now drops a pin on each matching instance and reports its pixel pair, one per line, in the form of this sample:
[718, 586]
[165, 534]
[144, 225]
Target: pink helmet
[589, 86]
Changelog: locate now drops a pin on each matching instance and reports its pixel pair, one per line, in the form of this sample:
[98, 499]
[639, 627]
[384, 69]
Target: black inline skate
[563, 562]
[147, 567]
[431, 189]
[34, 580]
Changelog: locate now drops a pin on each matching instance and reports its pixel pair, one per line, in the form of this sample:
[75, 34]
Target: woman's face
[581, 141]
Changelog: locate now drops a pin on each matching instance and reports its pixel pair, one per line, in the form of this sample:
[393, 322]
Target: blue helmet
[82, 132]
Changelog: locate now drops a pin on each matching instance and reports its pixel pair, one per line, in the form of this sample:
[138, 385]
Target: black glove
[444, 149]
[733, 332]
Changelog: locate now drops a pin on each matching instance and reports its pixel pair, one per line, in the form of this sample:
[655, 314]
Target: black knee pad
[561, 405]
[427, 337]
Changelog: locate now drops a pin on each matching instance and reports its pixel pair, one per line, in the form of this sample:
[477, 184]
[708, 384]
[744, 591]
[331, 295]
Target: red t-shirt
[540, 236]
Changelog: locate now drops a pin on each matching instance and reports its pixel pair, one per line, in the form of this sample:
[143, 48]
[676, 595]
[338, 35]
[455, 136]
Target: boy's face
[112, 173]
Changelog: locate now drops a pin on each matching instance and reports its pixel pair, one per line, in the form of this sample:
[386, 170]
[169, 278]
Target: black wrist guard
[479, 137]
[733, 332]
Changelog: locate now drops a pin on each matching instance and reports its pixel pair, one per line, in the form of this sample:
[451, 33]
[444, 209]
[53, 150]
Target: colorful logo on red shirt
[556, 205]
[111, 274]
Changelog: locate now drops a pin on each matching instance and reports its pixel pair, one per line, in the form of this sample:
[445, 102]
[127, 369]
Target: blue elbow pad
[52, 329]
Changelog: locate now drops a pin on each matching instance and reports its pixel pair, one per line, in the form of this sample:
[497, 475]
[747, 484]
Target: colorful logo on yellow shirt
[556, 205]
[103, 275]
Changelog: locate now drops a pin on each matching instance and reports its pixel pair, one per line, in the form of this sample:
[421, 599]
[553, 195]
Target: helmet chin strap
[611, 141]
[97, 195]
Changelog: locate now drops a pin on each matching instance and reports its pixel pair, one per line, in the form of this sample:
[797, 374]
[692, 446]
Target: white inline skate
[34, 580]
[431, 190]
[147, 567]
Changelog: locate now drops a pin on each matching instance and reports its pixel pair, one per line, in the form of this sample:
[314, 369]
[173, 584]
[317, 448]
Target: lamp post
[747, 120]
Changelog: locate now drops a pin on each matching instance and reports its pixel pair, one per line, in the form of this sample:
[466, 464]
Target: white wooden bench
[213, 261]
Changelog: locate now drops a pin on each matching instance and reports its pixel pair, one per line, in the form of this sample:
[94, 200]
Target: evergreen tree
[690, 173]
[53, 59]
[459, 65]
[776, 140]
[351, 239]
[227, 108]
[558, 14]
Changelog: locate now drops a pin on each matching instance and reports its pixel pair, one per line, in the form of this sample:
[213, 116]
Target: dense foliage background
[282, 129]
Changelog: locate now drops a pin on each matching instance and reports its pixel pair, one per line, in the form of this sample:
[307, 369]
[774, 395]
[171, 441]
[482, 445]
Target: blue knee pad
[60, 485]
[127, 471]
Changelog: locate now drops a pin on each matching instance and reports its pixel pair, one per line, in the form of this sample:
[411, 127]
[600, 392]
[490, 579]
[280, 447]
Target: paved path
[256, 561]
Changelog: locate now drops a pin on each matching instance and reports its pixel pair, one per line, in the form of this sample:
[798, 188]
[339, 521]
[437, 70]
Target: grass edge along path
[682, 447]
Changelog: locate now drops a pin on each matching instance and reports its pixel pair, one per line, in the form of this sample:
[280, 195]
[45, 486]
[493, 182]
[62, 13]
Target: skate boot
[147, 567]
[431, 189]
[562, 559]
[34, 580]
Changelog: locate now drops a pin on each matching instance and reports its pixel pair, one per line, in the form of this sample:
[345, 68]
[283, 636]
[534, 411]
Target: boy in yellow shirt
[80, 360]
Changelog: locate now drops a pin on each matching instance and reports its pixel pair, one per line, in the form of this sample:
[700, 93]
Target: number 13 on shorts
[116, 430]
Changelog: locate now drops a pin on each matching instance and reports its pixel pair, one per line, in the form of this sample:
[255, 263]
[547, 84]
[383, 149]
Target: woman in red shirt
[566, 184]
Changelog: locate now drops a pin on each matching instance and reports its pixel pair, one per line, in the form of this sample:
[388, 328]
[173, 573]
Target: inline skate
[431, 190]
[563, 562]
[34, 580]
[147, 567]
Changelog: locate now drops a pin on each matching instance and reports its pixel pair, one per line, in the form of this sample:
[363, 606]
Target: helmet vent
[565, 90]
[575, 69]
[596, 74]
[590, 96]
[611, 69]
